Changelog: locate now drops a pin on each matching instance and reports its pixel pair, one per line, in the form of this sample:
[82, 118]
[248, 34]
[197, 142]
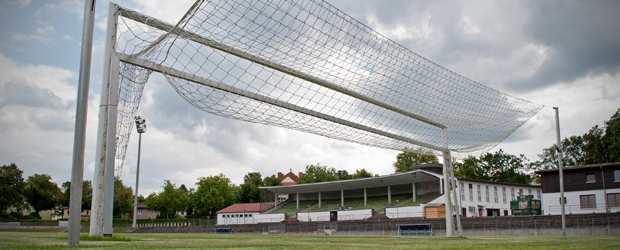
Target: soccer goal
[302, 65]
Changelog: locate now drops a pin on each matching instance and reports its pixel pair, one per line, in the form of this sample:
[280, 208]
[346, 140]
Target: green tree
[594, 151]
[361, 173]
[318, 173]
[123, 199]
[406, 159]
[611, 140]
[11, 188]
[249, 189]
[212, 194]
[343, 175]
[497, 167]
[87, 194]
[270, 181]
[572, 154]
[40, 192]
[170, 200]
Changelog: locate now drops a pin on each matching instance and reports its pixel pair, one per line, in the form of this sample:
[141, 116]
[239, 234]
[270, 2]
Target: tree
[123, 199]
[249, 189]
[406, 159]
[497, 167]
[11, 188]
[612, 137]
[41, 192]
[361, 173]
[343, 175]
[87, 194]
[212, 194]
[318, 173]
[594, 151]
[169, 201]
[572, 154]
[271, 181]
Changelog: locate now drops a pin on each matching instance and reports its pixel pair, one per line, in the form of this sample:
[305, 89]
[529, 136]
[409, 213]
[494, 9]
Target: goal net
[307, 66]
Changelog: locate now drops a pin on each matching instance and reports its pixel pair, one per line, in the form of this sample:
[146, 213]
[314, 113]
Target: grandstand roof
[378, 181]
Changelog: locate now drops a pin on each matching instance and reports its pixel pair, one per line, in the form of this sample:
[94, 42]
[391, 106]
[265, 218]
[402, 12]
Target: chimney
[300, 174]
[280, 175]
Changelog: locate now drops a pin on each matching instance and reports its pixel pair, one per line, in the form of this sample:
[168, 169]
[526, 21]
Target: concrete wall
[585, 224]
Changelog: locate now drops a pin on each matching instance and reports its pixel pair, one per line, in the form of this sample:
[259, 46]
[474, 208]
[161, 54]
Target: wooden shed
[435, 210]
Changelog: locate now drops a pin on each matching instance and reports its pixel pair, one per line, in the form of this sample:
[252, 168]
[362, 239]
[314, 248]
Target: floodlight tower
[141, 127]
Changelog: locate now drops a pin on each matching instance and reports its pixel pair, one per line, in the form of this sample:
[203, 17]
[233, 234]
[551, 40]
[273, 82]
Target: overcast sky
[555, 53]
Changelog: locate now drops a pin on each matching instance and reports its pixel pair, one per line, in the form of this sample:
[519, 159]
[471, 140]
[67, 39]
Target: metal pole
[97, 208]
[79, 139]
[135, 198]
[455, 196]
[559, 148]
[446, 184]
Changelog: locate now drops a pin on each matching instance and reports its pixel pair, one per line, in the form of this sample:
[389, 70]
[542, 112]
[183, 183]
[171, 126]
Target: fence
[577, 209]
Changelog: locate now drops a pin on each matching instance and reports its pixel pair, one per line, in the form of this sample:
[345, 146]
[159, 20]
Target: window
[479, 194]
[139, 211]
[512, 194]
[520, 191]
[495, 195]
[471, 192]
[472, 210]
[250, 215]
[504, 195]
[588, 201]
[462, 191]
[529, 191]
[613, 200]
[590, 178]
[487, 193]
[616, 175]
[538, 194]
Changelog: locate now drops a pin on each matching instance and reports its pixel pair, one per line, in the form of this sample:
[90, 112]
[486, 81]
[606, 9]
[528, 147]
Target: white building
[587, 189]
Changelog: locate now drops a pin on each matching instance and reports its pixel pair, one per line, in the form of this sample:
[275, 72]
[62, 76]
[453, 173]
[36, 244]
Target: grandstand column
[342, 197]
[276, 201]
[319, 199]
[389, 194]
[297, 198]
[441, 185]
[365, 200]
[413, 189]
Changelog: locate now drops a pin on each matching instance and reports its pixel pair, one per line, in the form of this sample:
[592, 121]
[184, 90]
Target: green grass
[54, 240]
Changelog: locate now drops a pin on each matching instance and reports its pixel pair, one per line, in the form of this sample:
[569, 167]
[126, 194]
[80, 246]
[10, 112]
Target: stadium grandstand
[417, 193]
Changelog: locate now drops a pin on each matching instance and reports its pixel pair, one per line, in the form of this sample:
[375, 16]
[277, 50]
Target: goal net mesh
[307, 66]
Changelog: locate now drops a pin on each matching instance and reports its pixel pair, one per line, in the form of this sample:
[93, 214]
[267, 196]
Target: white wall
[243, 218]
[403, 212]
[551, 202]
[314, 216]
[361, 214]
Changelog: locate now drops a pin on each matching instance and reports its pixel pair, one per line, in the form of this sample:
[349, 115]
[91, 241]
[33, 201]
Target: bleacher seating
[373, 202]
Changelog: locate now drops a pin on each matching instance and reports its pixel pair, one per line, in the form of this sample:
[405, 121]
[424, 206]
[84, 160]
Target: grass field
[55, 240]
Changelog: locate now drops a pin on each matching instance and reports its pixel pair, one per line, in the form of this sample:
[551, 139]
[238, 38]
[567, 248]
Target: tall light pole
[141, 127]
[561, 171]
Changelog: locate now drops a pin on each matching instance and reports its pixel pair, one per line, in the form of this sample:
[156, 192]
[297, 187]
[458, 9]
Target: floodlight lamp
[140, 124]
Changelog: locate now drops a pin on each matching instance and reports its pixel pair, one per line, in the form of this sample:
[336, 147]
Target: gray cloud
[583, 37]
